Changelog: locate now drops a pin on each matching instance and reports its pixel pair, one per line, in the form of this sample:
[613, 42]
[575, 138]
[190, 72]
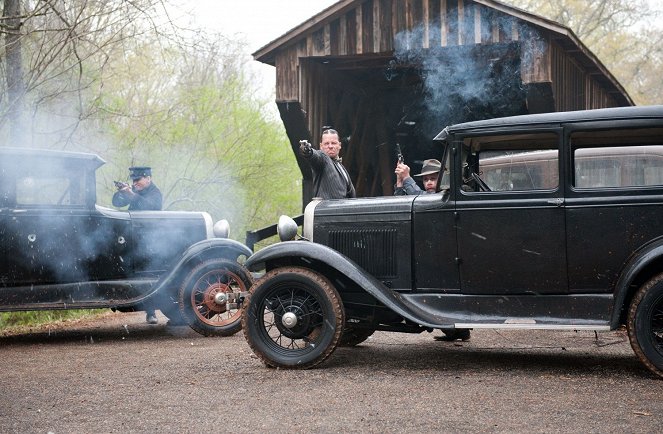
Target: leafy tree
[119, 79]
[190, 112]
[624, 34]
[55, 51]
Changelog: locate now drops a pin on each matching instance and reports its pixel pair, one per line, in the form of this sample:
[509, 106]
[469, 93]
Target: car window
[49, 190]
[618, 158]
[511, 163]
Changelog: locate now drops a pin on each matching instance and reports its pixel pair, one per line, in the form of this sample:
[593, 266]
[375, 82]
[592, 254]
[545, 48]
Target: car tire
[293, 318]
[198, 297]
[645, 324]
[352, 337]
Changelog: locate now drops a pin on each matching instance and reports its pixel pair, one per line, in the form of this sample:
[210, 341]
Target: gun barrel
[399, 154]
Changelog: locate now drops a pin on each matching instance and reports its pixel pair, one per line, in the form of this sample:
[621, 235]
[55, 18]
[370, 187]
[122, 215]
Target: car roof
[88, 159]
[615, 113]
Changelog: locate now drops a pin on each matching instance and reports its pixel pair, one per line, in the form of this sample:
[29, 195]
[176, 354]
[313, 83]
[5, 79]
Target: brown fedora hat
[429, 167]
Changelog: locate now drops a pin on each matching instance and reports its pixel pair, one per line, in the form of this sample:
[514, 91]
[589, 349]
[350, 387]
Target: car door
[54, 233]
[614, 198]
[510, 213]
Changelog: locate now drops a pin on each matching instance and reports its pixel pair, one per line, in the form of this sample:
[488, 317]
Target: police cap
[136, 172]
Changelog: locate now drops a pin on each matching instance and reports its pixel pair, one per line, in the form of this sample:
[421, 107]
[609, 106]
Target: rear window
[618, 158]
[42, 182]
[49, 190]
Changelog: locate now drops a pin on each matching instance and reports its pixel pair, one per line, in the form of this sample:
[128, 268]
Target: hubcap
[220, 298]
[214, 297]
[289, 320]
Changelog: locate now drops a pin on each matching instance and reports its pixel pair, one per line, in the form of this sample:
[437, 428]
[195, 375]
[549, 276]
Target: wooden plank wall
[574, 88]
[371, 28]
[376, 28]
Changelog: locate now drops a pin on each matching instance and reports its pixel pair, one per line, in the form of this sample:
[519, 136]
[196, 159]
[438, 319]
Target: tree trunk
[14, 65]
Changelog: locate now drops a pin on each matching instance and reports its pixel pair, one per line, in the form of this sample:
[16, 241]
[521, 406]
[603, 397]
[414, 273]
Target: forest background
[139, 84]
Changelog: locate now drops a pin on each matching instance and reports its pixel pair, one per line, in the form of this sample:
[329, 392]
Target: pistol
[399, 154]
[305, 146]
[120, 185]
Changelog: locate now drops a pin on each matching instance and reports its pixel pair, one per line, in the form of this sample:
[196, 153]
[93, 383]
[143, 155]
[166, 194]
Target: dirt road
[118, 374]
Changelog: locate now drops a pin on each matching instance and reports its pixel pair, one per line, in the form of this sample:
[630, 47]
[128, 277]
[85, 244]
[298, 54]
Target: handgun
[120, 185]
[399, 154]
[305, 147]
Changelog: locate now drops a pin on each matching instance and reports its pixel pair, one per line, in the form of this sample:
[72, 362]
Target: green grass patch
[35, 318]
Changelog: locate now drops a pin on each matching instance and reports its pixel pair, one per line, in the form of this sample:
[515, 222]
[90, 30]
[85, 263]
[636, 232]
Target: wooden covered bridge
[383, 72]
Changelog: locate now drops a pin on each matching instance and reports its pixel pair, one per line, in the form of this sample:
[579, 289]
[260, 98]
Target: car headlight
[286, 228]
[221, 229]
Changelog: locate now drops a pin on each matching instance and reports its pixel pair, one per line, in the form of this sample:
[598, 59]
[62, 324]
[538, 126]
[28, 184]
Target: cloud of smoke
[467, 82]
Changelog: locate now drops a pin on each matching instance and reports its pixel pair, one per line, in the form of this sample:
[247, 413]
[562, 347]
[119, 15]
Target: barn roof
[561, 34]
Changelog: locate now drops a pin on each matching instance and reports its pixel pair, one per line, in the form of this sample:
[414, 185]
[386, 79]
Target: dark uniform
[150, 198]
[147, 199]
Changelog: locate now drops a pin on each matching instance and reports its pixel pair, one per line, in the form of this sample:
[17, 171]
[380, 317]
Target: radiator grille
[373, 249]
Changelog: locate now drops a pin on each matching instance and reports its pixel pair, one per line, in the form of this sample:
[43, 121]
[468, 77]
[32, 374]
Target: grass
[10, 320]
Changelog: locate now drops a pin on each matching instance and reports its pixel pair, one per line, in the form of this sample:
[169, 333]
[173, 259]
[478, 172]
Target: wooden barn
[384, 72]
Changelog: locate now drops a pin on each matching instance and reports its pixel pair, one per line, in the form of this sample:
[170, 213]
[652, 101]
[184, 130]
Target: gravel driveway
[118, 374]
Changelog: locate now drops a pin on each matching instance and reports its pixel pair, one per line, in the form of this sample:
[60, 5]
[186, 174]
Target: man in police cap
[142, 195]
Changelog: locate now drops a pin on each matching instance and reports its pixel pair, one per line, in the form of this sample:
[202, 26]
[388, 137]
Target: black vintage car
[551, 221]
[60, 250]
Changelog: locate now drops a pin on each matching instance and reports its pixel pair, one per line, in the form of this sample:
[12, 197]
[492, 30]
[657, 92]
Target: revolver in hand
[120, 185]
[399, 154]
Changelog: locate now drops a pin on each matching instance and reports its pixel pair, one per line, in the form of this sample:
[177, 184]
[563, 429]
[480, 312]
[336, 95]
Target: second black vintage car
[60, 250]
[551, 221]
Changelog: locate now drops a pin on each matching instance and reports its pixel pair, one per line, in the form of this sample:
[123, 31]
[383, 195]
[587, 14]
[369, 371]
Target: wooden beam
[426, 23]
[342, 35]
[477, 25]
[360, 30]
[444, 24]
[377, 30]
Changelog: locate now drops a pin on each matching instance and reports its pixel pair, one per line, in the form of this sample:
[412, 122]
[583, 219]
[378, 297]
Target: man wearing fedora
[405, 185]
[429, 173]
[141, 195]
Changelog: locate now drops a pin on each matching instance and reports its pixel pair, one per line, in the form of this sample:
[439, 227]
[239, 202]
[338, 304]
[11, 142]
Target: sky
[256, 22]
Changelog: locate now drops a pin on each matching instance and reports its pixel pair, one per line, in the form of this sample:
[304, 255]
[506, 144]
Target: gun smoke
[463, 83]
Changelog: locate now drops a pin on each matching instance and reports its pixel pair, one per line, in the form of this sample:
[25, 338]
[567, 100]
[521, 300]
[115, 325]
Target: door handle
[557, 202]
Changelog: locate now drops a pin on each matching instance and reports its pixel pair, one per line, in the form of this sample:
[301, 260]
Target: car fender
[640, 260]
[347, 267]
[198, 253]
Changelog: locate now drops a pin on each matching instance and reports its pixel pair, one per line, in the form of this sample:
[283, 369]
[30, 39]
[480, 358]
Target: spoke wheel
[293, 318]
[645, 325]
[204, 297]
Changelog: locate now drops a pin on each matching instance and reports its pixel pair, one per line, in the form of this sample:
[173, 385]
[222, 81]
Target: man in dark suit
[330, 179]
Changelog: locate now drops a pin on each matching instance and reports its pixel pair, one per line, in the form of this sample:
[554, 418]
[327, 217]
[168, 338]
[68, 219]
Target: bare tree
[11, 26]
[624, 34]
[55, 55]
